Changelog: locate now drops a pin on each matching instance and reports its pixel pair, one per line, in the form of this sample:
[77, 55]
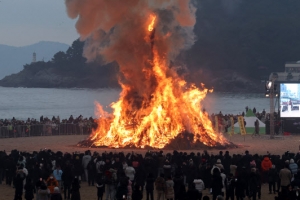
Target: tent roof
[250, 122]
[250, 113]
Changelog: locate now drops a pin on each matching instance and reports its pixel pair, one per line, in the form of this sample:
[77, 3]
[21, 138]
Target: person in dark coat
[207, 175]
[67, 178]
[254, 184]
[140, 177]
[179, 188]
[29, 189]
[191, 172]
[272, 179]
[18, 182]
[240, 187]
[150, 186]
[122, 189]
[91, 167]
[75, 194]
[217, 183]
[100, 184]
[229, 185]
[192, 193]
[56, 194]
[137, 193]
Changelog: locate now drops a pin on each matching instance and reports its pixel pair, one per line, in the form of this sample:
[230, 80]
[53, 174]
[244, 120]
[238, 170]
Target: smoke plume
[115, 29]
[144, 37]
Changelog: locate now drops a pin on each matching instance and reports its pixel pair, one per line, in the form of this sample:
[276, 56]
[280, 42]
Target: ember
[156, 106]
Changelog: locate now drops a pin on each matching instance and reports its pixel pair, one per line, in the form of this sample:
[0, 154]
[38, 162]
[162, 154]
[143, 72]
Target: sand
[68, 143]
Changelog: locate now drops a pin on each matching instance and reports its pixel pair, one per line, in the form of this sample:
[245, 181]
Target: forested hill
[66, 69]
[246, 36]
[239, 42]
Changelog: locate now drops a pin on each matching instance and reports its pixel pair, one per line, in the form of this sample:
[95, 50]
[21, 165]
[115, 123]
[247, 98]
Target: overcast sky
[24, 22]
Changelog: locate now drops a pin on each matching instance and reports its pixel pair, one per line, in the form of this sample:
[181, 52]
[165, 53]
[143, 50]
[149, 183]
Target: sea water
[22, 103]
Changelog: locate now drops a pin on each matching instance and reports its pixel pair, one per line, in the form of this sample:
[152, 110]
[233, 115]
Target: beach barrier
[43, 130]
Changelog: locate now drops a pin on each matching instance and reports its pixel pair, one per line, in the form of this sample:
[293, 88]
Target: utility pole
[272, 109]
[273, 78]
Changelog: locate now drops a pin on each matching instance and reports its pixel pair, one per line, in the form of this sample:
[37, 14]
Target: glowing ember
[156, 105]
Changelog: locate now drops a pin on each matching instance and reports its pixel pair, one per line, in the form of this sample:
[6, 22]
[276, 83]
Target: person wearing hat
[51, 183]
[293, 167]
[219, 164]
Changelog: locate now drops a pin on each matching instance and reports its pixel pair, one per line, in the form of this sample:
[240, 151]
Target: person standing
[100, 184]
[85, 161]
[199, 185]
[137, 194]
[229, 185]
[256, 127]
[266, 165]
[67, 178]
[110, 182]
[75, 193]
[130, 173]
[293, 167]
[29, 189]
[150, 186]
[51, 183]
[57, 173]
[216, 184]
[56, 194]
[285, 176]
[160, 185]
[272, 179]
[169, 192]
[18, 183]
[254, 185]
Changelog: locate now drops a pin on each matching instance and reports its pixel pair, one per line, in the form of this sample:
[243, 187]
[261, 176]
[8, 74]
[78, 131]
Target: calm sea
[22, 103]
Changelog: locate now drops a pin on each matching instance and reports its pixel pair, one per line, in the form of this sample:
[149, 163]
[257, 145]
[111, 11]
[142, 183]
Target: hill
[13, 58]
[66, 69]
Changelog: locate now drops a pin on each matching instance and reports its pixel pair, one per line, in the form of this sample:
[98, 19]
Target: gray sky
[24, 22]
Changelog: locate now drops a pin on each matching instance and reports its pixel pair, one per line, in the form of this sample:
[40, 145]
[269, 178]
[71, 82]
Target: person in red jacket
[266, 165]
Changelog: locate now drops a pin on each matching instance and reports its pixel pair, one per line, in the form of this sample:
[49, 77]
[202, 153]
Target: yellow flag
[242, 125]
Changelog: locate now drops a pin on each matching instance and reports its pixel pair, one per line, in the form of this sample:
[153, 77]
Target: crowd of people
[172, 176]
[79, 125]
[45, 126]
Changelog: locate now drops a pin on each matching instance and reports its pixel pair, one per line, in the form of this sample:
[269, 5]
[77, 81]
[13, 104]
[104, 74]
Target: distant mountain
[12, 58]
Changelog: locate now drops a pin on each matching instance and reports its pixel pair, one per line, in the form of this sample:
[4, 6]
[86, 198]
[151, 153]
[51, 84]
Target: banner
[242, 125]
[216, 124]
[232, 126]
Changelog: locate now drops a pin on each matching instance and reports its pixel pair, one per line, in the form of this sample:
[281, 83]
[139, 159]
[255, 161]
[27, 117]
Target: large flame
[156, 105]
[173, 108]
[151, 25]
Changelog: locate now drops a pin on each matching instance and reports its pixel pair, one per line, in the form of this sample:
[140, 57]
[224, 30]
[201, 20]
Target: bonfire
[156, 106]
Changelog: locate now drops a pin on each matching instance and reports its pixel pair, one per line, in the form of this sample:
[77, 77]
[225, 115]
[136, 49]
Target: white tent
[250, 118]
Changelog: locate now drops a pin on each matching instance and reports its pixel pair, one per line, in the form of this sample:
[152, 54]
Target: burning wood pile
[156, 107]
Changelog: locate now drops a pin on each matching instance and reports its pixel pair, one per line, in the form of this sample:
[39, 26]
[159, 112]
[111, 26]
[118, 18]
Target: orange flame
[151, 25]
[172, 108]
